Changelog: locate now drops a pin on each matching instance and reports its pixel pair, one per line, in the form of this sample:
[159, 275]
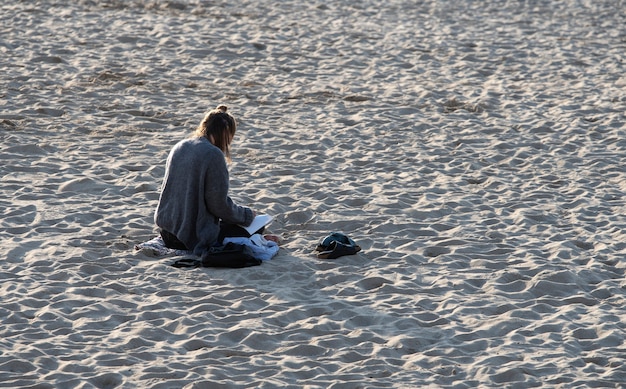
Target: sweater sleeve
[216, 196]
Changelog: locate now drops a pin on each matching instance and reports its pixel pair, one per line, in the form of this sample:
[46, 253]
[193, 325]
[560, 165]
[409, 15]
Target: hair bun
[222, 108]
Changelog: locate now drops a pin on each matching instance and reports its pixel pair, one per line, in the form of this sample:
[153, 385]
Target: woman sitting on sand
[194, 211]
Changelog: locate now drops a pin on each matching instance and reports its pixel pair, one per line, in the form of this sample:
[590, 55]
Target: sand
[476, 151]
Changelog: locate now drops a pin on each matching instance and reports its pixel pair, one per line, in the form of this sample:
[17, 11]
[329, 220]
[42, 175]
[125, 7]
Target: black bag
[231, 255]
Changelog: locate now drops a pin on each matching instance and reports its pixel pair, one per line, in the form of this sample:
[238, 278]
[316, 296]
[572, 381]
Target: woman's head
[219, 127]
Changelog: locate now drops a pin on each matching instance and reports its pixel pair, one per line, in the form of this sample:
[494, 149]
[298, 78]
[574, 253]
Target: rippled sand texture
[475, 150]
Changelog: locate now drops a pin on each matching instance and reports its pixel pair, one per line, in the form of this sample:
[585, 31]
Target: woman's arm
[218, 202]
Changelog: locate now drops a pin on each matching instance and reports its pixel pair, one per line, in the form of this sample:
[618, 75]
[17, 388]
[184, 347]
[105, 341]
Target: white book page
[258, 222]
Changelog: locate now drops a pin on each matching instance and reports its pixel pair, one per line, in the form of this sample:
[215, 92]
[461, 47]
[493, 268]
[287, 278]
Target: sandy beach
[476, 151]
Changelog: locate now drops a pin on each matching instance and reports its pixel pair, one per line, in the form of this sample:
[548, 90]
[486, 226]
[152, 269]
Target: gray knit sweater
[194, 196]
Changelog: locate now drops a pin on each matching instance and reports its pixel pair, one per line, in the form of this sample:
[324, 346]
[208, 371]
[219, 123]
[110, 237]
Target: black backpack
[231, 255]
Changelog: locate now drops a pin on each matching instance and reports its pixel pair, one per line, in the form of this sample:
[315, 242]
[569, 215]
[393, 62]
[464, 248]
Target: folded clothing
[156, 247]
[261, 248]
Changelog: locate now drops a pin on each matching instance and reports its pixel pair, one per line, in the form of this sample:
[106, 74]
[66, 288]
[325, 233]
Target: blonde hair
[218, 126]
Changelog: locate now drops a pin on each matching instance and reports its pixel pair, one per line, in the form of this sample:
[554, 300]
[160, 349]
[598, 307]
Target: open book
[258, 222]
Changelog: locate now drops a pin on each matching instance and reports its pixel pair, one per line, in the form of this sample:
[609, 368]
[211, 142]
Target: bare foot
[273, 238]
